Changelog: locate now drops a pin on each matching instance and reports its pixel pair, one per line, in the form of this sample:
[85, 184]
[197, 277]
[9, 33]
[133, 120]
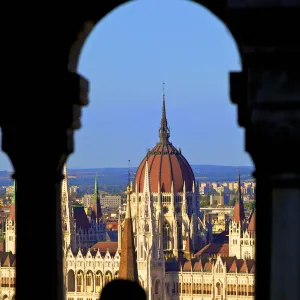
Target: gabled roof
[187, 266]
[205, 264]
[103, 247]
[252, 223]
[7, 259]
[214, 249]
[80, 217]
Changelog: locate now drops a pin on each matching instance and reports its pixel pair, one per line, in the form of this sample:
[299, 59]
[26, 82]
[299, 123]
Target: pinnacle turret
[239, 211]
[164, 130]
[128, 265]
[96, 204]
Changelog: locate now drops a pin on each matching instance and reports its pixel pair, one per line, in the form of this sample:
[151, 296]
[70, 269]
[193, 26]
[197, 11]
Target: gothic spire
[189, 249]
[239, 212]
[128, 265]
[164, 130]
[96, 204]
[96, 185]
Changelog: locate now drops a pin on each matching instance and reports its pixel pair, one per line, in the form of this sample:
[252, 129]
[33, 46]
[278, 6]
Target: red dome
[165, 164]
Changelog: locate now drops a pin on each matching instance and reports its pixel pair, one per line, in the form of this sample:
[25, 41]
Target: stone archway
[91, 20]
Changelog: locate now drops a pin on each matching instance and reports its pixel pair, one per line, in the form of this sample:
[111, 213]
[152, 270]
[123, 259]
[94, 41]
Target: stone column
[38, 143]
[271, 116]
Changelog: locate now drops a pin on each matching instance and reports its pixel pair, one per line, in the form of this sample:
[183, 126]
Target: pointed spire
[189, 249]
[239, 212]
[128, 265]
[96, 185]
[97, 205]
[252, 223]
[184, 187]
[64, 189]
[164, 130]
[193, 188]
[239, 187]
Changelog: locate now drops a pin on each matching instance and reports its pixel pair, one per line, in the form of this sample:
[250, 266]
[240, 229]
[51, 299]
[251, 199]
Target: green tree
[232, 202]
[250, 205]
[204, 201]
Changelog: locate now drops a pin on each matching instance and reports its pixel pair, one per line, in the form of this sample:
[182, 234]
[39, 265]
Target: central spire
[164, 130]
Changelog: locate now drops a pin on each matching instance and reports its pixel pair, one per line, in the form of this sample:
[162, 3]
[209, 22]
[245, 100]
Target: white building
[167, 232]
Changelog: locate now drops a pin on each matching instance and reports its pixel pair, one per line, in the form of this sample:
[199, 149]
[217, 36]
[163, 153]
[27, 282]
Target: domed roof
[166, 164]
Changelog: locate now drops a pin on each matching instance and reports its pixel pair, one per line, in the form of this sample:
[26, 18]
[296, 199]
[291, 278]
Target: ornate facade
[167, 231]
[241, 232]
[81, 230]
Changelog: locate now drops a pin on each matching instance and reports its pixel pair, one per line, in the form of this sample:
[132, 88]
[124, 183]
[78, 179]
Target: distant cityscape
[180, 231]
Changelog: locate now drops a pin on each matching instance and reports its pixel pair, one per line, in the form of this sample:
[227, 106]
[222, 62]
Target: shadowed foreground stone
[123, 289]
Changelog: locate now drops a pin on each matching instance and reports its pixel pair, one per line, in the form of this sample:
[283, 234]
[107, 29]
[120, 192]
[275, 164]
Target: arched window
[157, 287]
[167, 288]
[247, 255]
[117, 275]
[80, 285]
[219, 288]
[89, 282]
[166, 236]
[71, 281]
[108, 277]
[99, 281]
[179, 236]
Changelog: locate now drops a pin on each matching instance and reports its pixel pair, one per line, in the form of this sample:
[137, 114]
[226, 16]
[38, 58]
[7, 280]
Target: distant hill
[119, 176]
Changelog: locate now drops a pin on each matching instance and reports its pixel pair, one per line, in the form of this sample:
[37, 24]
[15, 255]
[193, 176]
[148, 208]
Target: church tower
[237, 225]
[69, 236]
[10, 230]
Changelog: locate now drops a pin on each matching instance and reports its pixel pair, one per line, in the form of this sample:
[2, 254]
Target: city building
[81, 229]
[74, 189]
[162, 242]
[112, 201]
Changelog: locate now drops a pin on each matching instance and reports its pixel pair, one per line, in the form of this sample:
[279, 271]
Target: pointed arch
[157, 287]
[108, 277]
[89, 281]
[116, 275]
[80, 281]
[99, 282]
[71, 281]
[179, 235]
[166, 235]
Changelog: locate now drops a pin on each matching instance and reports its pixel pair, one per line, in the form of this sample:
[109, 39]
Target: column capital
[45, 134]
[269, 109]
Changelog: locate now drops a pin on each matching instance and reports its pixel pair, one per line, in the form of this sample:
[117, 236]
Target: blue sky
[175, 41]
